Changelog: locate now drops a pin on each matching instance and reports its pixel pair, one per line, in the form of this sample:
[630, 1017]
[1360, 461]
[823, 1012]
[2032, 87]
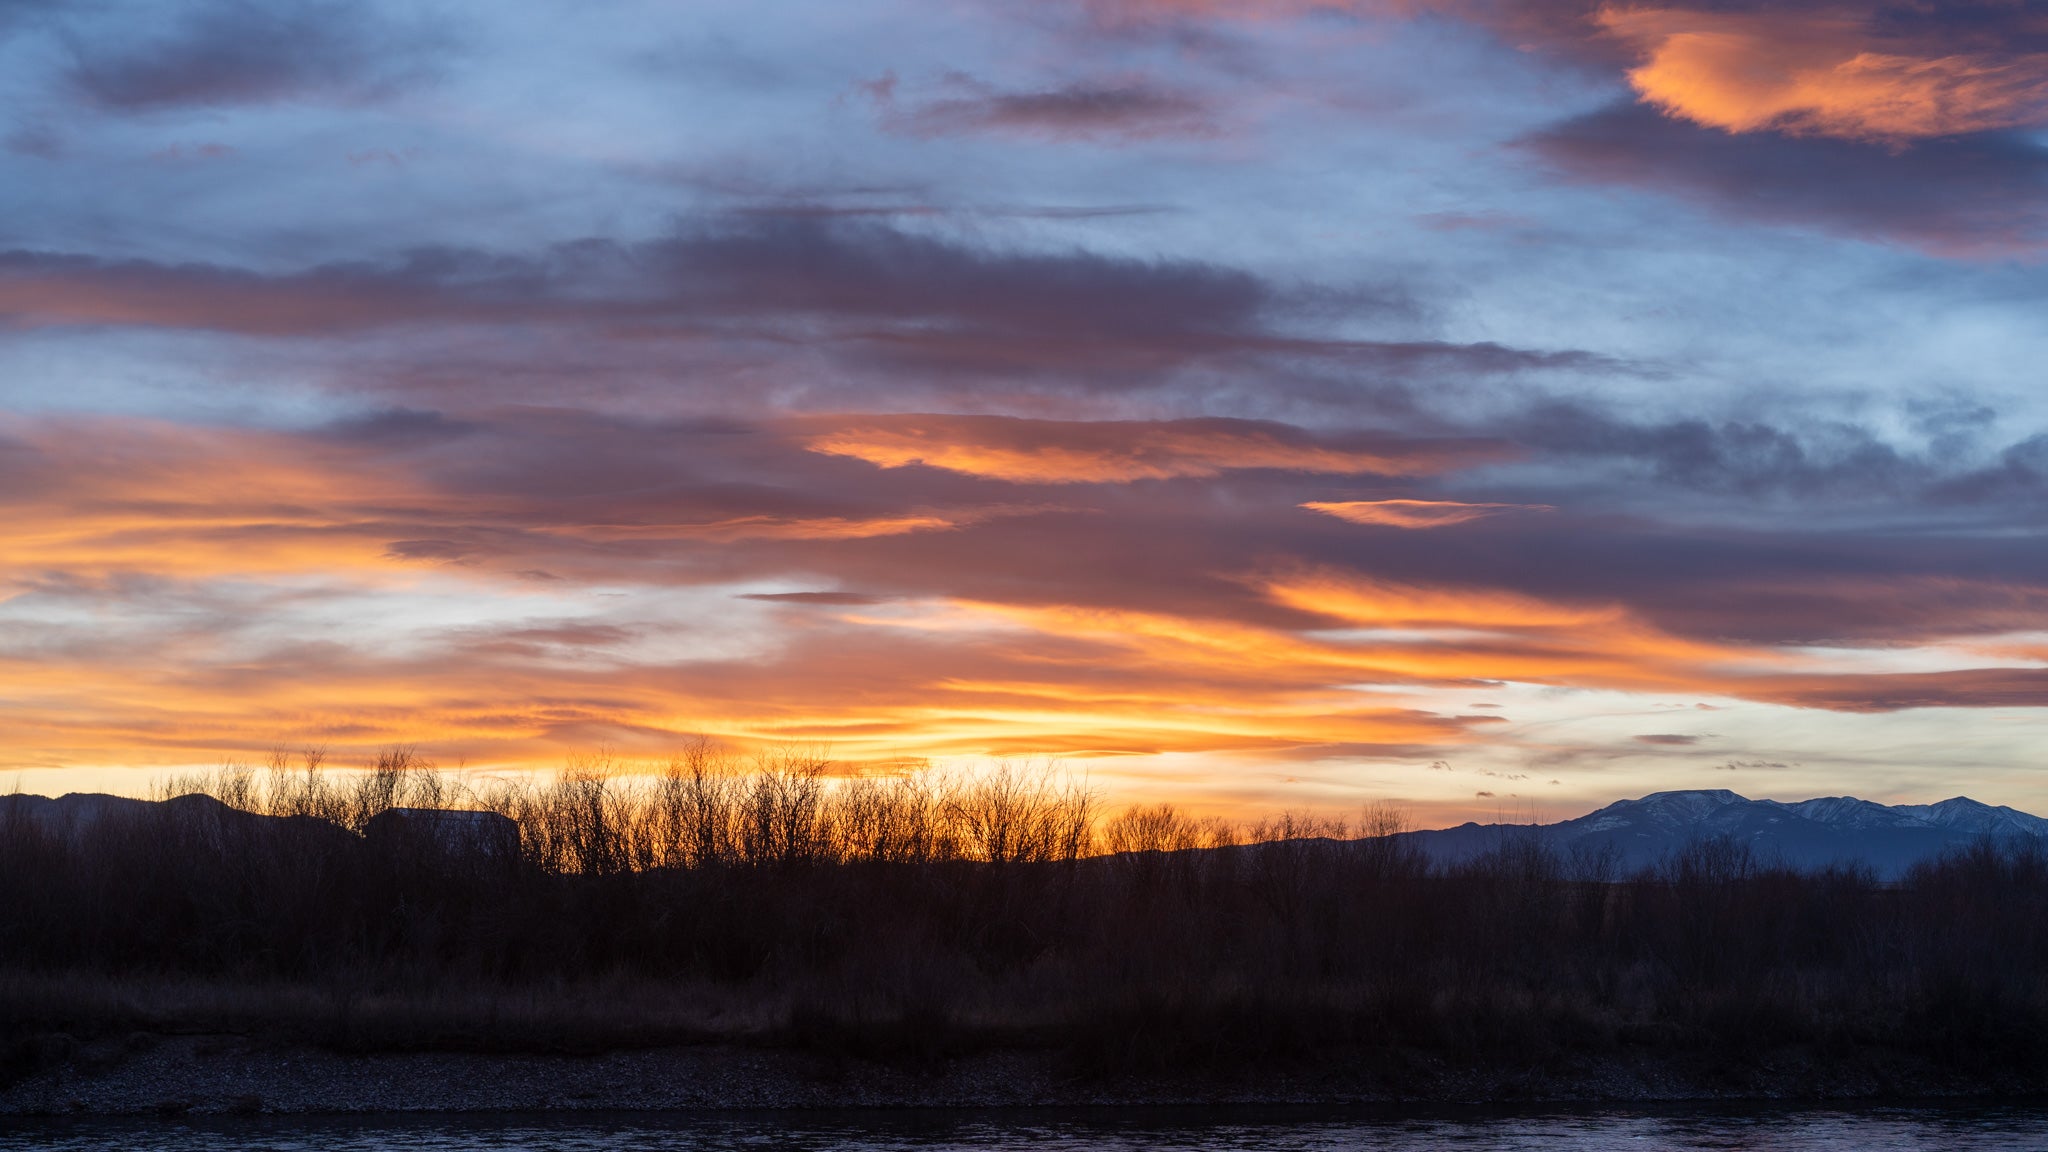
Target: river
[1863, 1129]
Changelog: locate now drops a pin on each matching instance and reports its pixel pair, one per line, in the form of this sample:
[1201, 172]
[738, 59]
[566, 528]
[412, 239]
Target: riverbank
[145, 1074]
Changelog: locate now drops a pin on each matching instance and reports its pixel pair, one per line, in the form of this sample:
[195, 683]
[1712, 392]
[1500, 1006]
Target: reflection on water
[1179, 1130]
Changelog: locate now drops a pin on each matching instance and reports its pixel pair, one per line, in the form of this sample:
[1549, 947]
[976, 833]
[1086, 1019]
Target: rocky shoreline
[222, 1074]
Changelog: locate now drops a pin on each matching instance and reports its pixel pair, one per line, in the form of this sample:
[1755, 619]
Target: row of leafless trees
[775, 900]
[707, 807]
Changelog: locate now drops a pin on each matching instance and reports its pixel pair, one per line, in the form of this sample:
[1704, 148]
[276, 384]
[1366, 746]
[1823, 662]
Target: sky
[1498, 407]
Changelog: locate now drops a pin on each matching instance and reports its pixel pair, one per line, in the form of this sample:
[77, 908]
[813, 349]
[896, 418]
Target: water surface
[1074, 1130]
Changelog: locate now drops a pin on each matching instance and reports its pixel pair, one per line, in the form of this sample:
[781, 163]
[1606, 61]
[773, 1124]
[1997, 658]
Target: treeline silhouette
[915, 916]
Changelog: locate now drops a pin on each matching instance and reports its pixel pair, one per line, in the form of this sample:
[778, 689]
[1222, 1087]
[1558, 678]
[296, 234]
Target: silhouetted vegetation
[911, 917]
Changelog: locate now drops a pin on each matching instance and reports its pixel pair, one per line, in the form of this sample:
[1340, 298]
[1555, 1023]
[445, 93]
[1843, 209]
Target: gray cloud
[1980, 194]
[228, 52]
[1114, 110]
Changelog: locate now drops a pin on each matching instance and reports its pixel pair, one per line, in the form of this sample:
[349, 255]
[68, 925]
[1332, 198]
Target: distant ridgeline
[1807, 834]
[1629, 834]
[448, 831]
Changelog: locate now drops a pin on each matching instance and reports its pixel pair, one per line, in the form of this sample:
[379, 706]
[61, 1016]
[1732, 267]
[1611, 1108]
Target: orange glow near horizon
[274, 589]
[946, 681]
[1070, 679]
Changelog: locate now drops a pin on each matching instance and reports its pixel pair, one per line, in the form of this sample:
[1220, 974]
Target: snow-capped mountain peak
[1962, 814]
[1804, 833]
[1850, 812]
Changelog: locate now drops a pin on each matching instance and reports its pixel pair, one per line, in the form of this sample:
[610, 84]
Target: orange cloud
[936, 680]
[1382, 604]
[103, 494]
[1120, 451]
[106, 495]
[1821, 73]
[1424, 634]
[785, 527]
[1402, 639]
[1414, 513]
[1824, 69]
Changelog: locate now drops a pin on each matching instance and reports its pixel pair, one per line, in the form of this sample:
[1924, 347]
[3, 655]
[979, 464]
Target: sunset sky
[1497, 406]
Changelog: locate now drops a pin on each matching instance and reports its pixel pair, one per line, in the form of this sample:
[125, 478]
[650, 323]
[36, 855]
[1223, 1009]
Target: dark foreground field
[989, 930]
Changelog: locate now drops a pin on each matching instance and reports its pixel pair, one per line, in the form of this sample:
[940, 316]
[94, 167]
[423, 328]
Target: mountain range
[1890, 838]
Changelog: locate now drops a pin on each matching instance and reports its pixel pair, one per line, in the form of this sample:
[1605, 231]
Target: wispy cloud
[1109, 110]
[1076, 452]
[1884, 121]
[234, 52]
[1972, 196]
[1413, 513]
